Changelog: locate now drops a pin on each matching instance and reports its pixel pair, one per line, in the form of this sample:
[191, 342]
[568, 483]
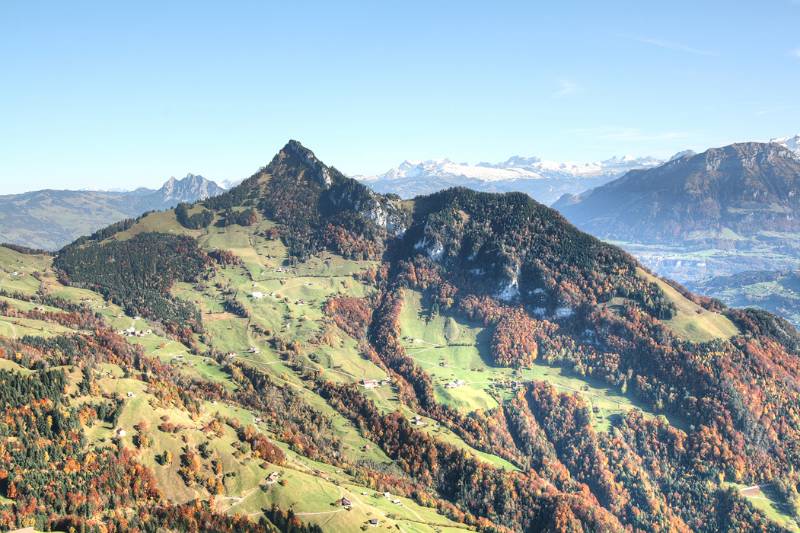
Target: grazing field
[464, 377]
[7, 364]
[692, 322]
[15, 328]
[160, 222]
[764, 499]
[17, 270]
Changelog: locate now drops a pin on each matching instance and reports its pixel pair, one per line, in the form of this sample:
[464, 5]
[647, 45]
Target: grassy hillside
[309, 487]
[691, 321]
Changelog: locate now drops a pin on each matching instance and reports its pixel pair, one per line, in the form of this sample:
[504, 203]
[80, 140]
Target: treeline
[244, 194]
[138, 273]
[199, 220]
[24, 249]
[244, 217]
[105, 233]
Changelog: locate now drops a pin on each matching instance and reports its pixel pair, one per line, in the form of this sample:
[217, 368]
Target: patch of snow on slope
[792, 143]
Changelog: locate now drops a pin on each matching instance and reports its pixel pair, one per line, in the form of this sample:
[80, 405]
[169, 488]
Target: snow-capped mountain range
[544, 180]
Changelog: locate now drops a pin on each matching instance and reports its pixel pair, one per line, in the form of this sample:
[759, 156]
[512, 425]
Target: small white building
[370, 383]
[454, 384]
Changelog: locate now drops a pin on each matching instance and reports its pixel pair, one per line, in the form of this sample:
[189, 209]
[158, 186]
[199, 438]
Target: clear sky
[101, 95]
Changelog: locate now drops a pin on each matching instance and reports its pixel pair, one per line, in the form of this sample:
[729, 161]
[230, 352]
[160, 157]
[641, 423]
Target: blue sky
[100, 95]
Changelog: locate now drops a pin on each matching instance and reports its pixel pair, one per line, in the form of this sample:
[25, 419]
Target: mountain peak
[296, 147]
[295, 160]
[792, 143]
[682, 154]
[189, 189]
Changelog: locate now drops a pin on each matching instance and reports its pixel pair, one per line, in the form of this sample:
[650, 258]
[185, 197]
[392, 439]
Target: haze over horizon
[144, 94]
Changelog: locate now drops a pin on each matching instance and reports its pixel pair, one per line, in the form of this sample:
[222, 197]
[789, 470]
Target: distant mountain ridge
[543, 180]
[731, 194]
[49, 219]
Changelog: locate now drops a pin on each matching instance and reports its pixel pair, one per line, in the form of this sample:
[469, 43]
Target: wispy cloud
[795, 53]
[567, 88]
[630, 134]
[677, 47]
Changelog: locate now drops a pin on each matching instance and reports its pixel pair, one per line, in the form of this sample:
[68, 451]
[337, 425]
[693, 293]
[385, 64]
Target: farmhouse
[370, 383]
[454, 384]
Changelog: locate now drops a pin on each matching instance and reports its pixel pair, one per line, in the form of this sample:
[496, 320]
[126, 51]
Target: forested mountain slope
[301, 352]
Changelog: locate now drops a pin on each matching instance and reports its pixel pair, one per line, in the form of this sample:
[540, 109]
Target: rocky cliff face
[188, 189]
